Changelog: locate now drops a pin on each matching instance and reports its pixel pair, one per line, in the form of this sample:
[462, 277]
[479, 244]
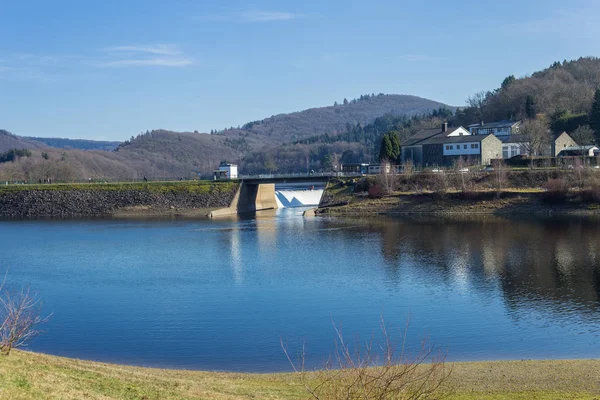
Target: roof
[498, 124]
[579, 148]
[513, 138]
[456, 139]
[425, 134]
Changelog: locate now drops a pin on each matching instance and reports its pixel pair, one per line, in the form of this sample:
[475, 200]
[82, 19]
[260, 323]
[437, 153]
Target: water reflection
[221, 294]
[548, 264]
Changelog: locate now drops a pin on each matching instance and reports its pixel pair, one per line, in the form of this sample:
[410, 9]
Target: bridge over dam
[268, 192]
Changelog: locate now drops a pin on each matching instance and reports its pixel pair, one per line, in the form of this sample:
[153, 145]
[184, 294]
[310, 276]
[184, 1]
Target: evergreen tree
[508, 80]
[395, 145]
[530, 107]
[595, 114]
[387, 150]
[345, 101]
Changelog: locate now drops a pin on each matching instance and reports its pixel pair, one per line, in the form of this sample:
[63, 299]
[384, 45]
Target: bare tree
[584, 135]
[387, 177]
[19, 316]
[538, 137]
[381, 370]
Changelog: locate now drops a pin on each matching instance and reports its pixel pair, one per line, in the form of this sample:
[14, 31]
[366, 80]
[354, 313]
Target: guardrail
[302, 175]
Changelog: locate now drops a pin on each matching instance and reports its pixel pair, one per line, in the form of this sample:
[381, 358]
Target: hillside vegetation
[9, 141]
[321, 138]
[162, 154]
[81, 144]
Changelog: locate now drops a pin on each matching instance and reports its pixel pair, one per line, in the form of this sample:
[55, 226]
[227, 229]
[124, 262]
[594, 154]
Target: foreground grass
[198, 187]
[25, 376]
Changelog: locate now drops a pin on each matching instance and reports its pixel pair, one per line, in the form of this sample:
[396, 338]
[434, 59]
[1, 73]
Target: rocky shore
[150, 199]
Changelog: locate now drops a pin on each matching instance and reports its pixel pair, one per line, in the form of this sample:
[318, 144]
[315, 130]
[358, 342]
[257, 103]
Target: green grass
[197, 187]
[28, 376]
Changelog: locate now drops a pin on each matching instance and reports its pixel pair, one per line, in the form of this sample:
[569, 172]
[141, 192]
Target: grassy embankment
[197, 187]
[25, 376]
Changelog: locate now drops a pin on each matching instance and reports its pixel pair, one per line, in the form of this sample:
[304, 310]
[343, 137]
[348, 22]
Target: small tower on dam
[225, 172]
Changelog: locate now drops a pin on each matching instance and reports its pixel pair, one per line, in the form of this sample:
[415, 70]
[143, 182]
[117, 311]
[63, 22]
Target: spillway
[298, 194]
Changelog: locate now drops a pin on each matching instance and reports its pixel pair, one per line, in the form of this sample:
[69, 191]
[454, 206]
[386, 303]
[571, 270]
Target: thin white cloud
[587, 21]
[159, 49]
[266, 16]
[251, 16]
[158, 55]
[148, 62]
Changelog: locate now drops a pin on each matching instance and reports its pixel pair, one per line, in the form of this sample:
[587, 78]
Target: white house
[226, 171]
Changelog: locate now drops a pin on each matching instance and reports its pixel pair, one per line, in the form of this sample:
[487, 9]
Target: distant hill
[81, 144]
[283, 128]
[257, 146]
[10, 141]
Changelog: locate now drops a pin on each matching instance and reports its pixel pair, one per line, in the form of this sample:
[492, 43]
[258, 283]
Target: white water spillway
[298, 194]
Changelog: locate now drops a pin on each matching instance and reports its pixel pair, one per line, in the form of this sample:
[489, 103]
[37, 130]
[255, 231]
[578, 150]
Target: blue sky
[111, 69]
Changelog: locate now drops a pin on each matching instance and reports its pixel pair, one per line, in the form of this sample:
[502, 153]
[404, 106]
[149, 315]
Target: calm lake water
[221, 294]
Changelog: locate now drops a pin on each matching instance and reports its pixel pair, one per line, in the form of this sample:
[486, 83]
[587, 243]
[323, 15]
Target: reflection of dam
[298, 194]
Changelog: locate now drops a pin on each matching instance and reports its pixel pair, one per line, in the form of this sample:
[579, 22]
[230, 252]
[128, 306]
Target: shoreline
[27, 375]
[508, 203]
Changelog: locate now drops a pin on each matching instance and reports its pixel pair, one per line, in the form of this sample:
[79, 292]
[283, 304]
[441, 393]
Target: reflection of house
[500, 128]
[225, 171]
[585, 151]
[445, 146]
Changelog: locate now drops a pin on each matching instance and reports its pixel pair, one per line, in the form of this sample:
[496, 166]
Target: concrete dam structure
[255, 196]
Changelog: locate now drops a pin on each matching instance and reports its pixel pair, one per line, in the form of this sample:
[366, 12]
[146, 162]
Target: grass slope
[25, 375]
[154, 187]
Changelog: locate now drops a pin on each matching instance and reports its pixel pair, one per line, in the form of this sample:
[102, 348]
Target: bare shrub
[592, 193]
[19, 316]
[581, 173]
[408, 168]
[500, 172]
[556, 190]
[375, 191]
[379, 370]
[440, 183]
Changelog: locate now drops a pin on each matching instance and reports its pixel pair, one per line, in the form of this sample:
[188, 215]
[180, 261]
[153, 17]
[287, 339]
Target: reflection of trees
[551, 265]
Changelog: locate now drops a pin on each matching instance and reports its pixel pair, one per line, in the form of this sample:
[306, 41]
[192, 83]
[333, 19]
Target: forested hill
[285, 128]
[81, 144]
[564, 88]
[9, 141]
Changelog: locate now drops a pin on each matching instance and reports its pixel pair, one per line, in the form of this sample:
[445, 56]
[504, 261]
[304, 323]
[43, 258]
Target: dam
[268, 194]
[298, 194]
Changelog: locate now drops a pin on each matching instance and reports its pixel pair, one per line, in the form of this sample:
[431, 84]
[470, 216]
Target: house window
[465, 147]
[476, 146]
[505, 152]
[447, 147]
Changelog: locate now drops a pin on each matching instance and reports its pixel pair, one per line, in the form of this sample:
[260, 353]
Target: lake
[221, 294]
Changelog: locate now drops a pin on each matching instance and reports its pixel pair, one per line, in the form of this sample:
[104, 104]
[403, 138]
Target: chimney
[444, 127]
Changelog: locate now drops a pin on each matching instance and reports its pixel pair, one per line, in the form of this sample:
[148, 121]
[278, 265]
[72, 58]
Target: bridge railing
[302, 175]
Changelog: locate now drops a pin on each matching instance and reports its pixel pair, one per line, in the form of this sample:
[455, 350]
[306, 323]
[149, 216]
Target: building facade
[445, 147]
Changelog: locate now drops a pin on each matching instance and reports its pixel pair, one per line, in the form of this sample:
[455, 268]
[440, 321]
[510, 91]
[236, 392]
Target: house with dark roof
[500, 128]
[514, 143]
[445, 146]
[581, 151]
